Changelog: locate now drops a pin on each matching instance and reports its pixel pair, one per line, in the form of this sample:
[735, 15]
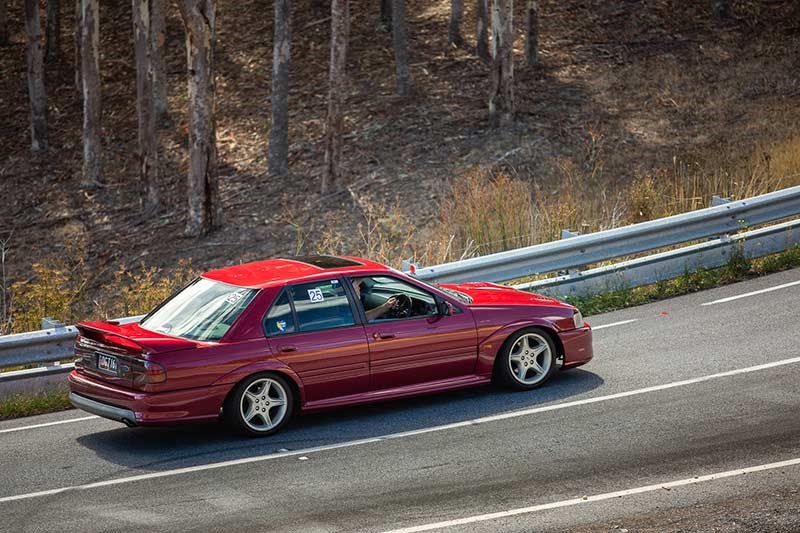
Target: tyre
[526, 360]
[259, 405]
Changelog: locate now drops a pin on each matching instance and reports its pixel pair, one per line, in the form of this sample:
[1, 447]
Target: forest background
[430, 143]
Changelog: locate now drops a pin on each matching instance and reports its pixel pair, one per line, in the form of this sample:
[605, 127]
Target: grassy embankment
[488, 211]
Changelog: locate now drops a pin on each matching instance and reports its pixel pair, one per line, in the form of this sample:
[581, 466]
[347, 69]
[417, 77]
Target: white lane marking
[620, 323]
[59, 422]
[597, 497]
[745, 295]
[391, 436]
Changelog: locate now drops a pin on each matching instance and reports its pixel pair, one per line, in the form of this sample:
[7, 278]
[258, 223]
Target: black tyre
[526, 360]
[259, 405]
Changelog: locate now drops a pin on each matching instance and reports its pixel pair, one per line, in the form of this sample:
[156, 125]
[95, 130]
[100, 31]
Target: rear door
[419, 348]
[312, 328]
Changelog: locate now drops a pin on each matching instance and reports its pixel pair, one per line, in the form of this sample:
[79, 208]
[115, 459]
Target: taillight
[143, 372]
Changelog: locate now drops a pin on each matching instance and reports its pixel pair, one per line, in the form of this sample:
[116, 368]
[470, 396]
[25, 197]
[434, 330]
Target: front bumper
[577, 345]
[137, 408]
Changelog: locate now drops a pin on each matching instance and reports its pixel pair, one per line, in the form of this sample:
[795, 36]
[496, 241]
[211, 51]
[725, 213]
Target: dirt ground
[635, 84]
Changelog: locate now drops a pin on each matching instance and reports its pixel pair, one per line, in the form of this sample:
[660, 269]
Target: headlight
[577, 319]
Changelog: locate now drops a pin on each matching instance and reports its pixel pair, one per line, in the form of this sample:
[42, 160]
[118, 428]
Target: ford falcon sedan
[256, 344]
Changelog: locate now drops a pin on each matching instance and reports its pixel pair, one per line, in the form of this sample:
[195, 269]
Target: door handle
[379, 335]
[287, 348]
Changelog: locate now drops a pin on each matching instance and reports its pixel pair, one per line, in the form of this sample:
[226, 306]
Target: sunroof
[325, 261]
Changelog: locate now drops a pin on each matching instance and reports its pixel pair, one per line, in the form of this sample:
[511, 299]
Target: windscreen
[202, 311]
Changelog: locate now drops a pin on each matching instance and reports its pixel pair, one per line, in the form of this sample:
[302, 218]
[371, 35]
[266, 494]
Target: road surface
[688, 419]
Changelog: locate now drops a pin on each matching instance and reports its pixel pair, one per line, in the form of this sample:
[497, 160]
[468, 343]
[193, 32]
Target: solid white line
[34, 426]
[597, 497]
[745, 295]
[403, 434]
[620, 323]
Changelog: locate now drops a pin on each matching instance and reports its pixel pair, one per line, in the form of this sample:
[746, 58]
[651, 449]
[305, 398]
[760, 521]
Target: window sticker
[234, 297]
[315, 295]
[281, 325]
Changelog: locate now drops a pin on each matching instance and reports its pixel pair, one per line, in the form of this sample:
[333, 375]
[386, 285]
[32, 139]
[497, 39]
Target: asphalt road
[688, 419]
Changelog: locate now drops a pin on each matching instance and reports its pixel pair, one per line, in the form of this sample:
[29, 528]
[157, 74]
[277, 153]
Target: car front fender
[490, 346]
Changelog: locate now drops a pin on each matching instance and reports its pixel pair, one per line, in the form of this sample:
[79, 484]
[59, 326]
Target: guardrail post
[719, 200]
[408, 266]
[51, 323]
[568, 234]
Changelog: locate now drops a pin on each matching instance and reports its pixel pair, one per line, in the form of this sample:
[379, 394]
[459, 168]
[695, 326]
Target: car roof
[279, 271]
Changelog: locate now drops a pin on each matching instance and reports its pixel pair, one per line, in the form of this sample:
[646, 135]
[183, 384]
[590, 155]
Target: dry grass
[34, 403]
[485, 211]
[58, 290]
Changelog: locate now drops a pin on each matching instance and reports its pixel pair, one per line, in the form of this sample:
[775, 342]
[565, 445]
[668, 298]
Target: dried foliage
[58, 290]
[136, 292]
[54, 291]
[485, 213]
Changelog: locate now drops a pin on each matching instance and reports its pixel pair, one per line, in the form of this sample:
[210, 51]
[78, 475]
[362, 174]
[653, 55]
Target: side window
[389, 298]
[321, 305]
[279, 318]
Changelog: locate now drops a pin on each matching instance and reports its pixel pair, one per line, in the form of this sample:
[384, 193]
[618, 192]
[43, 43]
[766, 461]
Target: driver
[376, 312]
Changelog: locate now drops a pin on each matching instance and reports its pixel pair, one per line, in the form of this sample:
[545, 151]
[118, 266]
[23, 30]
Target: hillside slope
[625, 89]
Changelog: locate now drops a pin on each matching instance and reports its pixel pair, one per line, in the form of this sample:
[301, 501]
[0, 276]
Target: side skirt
[398, 392]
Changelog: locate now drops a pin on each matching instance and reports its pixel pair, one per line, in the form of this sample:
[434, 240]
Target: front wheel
[260, 405]
[526, 360]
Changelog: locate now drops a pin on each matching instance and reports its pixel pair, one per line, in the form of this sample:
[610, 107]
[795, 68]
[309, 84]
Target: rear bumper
[577, 345]
[145, 408]
[126, 416]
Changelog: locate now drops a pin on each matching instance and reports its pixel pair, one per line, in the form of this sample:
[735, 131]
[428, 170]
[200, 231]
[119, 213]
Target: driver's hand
[391, 302]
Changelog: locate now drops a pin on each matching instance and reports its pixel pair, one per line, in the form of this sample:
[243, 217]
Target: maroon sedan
[256, 343]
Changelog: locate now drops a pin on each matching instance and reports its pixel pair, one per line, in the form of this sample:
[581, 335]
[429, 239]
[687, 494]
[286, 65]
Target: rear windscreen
[203, 311]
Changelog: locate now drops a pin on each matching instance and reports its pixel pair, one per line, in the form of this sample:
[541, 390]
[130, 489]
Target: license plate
[107, 363]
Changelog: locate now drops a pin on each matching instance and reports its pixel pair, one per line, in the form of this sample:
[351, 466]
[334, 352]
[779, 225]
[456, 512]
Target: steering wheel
[403, 307]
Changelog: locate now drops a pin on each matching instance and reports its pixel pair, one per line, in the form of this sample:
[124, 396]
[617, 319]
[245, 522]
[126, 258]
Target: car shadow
[158, 449]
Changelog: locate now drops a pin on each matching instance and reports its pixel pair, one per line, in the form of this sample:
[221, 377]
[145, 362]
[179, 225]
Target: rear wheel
[526, 360]
[260, 405]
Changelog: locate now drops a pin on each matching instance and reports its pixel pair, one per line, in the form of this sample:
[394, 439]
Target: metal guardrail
[43, 346]
[610, 244]
[719, 221]
[669, 265]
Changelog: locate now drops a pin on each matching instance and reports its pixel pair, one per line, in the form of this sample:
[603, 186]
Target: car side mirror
[445, 308]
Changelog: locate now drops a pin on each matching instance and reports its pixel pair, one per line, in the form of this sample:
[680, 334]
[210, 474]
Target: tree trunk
[37, 90]
[501, 98]
[90, 89]
[145, 105]
[3, 24]
[334, 123]
[456, 18]
[53, 29]
[482, 34]
[532, 33]
[78, 55]
[281, 54]
[318, 8]
[205, 209]
[400, 47]
[386, 14]
[158, 48]
[722, 9]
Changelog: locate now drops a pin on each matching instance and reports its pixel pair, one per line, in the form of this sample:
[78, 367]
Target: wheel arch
[492, 345]
[269, 367]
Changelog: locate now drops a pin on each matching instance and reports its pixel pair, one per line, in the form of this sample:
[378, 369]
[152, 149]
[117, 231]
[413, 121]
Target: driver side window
[387, 298]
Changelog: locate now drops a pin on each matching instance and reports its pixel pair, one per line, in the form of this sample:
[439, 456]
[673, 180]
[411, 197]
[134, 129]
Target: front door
[311, 328]
[412, 343]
